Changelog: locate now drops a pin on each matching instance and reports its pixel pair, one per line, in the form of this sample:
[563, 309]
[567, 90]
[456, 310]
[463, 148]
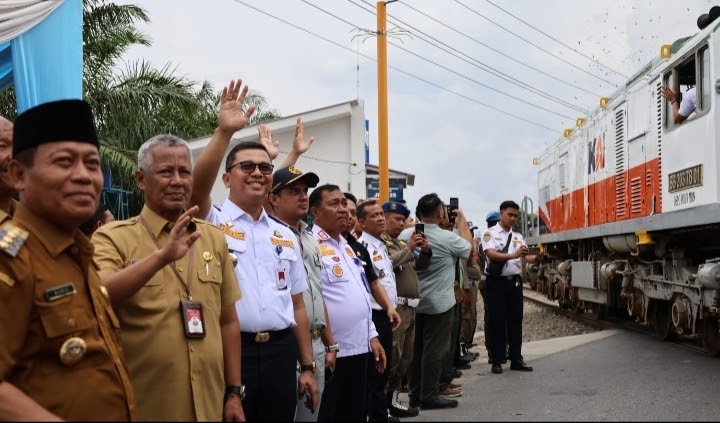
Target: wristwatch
[234, 389]
[308, 367]
[334, 347]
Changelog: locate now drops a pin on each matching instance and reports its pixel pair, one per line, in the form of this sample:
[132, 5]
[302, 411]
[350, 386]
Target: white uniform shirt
[347, 295]
[495, 238]
[382, 265]
[688, 103]
[269, 268]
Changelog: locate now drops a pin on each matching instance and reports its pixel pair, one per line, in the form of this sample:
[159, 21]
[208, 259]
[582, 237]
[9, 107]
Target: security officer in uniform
[405, 259]
[274, 323]
[492, 219]
[347, 295]
[289, 202]
[60, 354]
[504, 291]
[172, 284]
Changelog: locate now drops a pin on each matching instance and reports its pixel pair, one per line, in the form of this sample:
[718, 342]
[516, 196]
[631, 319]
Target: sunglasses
[249, 167]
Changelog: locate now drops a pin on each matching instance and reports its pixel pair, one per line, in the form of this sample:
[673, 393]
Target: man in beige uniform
[172, 283]
[405, 260]
[60, 355]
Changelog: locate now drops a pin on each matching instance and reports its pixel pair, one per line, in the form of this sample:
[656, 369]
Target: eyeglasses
[249, 167]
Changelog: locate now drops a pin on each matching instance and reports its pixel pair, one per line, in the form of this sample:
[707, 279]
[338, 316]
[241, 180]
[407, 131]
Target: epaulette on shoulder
[276, 220]
[12, 238]
[120, 223]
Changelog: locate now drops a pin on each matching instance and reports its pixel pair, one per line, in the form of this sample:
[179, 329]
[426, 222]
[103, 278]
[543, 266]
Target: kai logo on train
[685, 178]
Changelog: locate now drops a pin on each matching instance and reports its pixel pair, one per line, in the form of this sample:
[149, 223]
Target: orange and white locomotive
[629, 201]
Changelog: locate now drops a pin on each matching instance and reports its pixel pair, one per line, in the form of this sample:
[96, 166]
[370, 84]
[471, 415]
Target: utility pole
[383, 166]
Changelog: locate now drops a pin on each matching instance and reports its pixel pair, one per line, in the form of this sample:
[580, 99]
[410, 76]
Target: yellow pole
[384, 170]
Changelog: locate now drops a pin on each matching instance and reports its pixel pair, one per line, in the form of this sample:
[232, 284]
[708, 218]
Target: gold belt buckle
[262, 337]
[315, 333]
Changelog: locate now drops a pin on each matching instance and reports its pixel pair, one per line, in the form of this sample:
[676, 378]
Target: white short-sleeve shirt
[346, 292]
[382, 265]
[269, 268]
[688, 103]
[496, 238]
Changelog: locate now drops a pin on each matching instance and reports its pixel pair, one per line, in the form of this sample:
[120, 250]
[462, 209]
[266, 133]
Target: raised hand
[179, 243]
[272, 147]
[232, 118]
[300, 144]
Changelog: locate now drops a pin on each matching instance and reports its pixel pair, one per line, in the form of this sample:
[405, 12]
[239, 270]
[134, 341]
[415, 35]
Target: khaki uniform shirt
[37, 318]
[405, 264]
[176, 378]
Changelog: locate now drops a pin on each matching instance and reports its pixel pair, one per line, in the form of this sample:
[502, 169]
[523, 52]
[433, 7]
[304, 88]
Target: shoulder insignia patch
[6, 279]
[12, 238]
[323, 235]
[277, 233]
[403, 243]
[487, 237]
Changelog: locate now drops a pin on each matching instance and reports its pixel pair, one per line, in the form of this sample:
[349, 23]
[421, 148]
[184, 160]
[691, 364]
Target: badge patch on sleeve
[487, 237]
[6, 279]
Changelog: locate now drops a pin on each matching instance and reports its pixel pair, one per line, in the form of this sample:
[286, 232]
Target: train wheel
[711, 336]
[663, 321]
[596, 311]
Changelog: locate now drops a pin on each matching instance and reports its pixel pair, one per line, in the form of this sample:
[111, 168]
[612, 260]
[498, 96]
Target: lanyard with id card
[191, 312]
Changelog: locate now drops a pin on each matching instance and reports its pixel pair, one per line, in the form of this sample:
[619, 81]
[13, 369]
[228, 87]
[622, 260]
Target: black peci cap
[64, 120]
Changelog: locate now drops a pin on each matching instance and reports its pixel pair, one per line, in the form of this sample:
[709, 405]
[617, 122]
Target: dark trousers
[376, 405]
[454, 352]
[344, 396]
[505, 308]
[432, 344]
[268, 372]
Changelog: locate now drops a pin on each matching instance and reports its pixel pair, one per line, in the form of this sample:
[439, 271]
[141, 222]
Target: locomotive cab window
[691, 82]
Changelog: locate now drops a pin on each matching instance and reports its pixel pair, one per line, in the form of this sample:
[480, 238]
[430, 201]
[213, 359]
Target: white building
[338, 155]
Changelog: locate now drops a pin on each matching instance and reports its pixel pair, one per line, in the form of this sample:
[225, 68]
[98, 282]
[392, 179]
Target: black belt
[263, 337]
[509, 278]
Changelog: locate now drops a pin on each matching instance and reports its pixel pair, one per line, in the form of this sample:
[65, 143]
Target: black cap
[64, 120]
[287, 175]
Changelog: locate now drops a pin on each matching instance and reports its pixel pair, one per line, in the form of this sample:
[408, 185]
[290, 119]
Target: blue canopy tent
[41, 50]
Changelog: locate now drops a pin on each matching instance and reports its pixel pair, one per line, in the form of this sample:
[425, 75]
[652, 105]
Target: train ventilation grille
[636, 195]
[659, 100]
[620, 181]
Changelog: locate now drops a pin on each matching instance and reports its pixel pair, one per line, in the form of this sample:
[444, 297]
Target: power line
[397, 69]
[447, 68]
[520, 62]
[558, 41]
[531, 43]
[478, 64]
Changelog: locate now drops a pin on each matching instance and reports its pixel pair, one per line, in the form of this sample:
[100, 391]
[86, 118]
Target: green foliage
[134, 101]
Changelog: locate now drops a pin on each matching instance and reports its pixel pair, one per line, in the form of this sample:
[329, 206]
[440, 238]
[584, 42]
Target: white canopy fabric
[18, 16]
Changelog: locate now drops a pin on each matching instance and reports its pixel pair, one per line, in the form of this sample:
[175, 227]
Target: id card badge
[193, 319]
[365, 282]
[281, 279]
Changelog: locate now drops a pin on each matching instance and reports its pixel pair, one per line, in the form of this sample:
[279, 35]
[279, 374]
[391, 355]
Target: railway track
[612, 322]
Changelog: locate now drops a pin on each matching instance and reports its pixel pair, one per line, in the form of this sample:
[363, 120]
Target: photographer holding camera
[434, 313]
[505, 251]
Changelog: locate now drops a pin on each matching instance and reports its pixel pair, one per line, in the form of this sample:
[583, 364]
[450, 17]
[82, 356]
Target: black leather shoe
[456, 374]
[438, 403]
[520, 365]
[497, 369]
[402, 411]
[413, 403]
[462, 366]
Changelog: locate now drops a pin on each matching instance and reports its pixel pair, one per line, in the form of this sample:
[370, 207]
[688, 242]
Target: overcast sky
[455, 146]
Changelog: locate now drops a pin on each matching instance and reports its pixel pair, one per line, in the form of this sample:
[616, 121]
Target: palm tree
[134, 101]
